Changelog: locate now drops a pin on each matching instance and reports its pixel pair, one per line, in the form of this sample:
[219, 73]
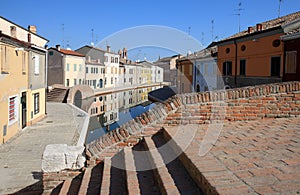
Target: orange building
[256, 55]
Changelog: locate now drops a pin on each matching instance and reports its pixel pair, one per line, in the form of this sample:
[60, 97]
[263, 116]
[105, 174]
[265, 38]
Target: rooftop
[71, 52]
[281, 21]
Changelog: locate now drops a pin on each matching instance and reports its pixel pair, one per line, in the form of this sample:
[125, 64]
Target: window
[94, 83]
[36, 64]
[243, 67]
[112, 80]
[116, 60]
[24, 63]
[13, 109]
[291, 62]
[51, 53]
[80, 81]
[96, 70]
[105, 81]
[87, 70]
[75, 82]
[5, 65]
[68, 67]
[75, 67]
[276, 43]
[227, 68]
[80, 67]
[275, 66]
[112, 60]
[243, 47]
[68, 82]
[101, 83]
[13, 31]
[36, 103]
[227, 50]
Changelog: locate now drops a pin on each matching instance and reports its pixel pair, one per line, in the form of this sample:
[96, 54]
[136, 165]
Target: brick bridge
[245, 152]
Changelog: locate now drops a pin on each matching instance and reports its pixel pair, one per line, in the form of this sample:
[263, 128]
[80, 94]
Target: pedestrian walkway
[21, 157]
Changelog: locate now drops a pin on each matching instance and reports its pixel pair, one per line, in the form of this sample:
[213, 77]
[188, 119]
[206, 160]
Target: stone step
[106, 176]
[164, 179]
[85, 181]
[131, 174]
[66, 186]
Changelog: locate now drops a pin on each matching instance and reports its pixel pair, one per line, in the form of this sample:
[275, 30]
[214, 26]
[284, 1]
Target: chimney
[29, 38]
[258, 27]
[89, 58]
[108, 48]
[32, 29]
[250, 29]
[58, 47]
[124, 53]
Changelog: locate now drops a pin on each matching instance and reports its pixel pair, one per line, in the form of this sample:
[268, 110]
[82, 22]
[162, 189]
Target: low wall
[247, 103]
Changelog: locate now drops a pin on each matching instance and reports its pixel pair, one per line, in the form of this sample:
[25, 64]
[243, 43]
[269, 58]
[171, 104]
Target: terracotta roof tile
[71, 52]
[269, 24]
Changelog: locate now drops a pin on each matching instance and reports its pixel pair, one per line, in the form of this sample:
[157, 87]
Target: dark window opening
[243, 67]
[227, 68]
[275, 66]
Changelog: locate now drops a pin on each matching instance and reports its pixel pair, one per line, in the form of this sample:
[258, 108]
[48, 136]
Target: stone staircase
[58, 94]
[141, 169]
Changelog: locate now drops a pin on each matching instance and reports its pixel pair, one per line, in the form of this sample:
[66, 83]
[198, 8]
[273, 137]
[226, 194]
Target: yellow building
[22, 78]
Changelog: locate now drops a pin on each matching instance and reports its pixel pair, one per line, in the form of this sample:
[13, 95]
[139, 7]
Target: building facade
[291, 55]
[65, 67]
[22, 78]
[256, 55]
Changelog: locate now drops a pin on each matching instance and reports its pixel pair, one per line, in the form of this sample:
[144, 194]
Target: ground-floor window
[13, 109]
[275, 66]
[36, 103]
[243, 67]
[227, 68]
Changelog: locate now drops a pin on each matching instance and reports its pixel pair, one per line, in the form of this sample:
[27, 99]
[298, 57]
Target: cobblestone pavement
[251, 157]
[21, 157]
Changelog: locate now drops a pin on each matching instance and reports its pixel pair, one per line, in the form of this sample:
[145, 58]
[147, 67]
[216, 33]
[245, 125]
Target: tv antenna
[92, 43]
[279, 7]
[63, 35]
[239, 14]
[212, 30]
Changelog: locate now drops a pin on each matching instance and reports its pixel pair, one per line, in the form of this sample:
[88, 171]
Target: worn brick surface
[253, 156]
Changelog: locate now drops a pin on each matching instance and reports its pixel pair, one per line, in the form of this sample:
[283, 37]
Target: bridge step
[66, 186]
[131, 174]
[164, 179]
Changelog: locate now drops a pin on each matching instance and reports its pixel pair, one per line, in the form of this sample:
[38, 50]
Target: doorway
[24, 109]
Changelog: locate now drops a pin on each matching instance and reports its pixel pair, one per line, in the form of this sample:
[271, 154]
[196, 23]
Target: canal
[125, 115]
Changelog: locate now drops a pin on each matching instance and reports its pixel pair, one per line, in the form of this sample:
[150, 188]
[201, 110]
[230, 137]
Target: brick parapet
[247, 103]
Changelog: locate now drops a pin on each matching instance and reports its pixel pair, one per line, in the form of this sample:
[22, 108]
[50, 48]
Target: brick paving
[255, 157]
[21, 157]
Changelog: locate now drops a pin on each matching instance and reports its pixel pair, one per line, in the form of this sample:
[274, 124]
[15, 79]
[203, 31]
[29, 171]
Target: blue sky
[107, 17]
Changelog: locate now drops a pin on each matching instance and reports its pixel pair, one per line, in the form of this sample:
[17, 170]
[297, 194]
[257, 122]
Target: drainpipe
[283, 66]
[236, 60]
[46, 79]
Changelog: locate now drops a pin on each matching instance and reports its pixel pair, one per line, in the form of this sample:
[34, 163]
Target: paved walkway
[21, 157]
[251, 157]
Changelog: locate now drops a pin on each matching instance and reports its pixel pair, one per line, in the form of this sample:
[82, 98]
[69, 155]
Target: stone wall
[247, 103]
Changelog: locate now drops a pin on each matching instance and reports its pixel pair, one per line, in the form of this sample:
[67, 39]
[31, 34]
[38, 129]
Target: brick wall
[247, 103]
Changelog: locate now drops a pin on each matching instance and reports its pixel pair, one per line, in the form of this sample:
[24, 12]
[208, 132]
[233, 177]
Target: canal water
[97, 130]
